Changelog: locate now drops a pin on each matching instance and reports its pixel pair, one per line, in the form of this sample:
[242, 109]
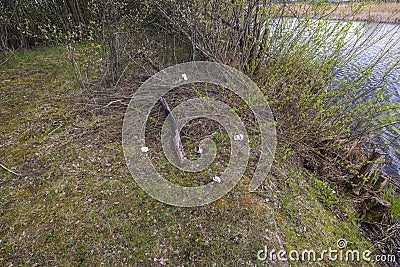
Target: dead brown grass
[383, 12]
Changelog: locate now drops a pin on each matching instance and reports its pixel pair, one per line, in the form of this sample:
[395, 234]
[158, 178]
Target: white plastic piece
[199, 150]
[238, 137]
[144, 149]
[184, 77]
[217, 179]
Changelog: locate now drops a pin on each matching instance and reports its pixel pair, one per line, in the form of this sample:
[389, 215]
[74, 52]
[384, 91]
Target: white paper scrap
[238, 137]
[217, 179]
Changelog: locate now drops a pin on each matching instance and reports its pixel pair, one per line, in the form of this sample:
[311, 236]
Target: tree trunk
[376, 209]
[367, 172]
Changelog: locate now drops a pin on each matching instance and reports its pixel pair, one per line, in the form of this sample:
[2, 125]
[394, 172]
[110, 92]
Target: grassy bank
[68, 199]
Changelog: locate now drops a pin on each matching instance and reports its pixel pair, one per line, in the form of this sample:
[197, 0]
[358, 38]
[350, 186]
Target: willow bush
[297, 62]
[36, 22]
[30, 23]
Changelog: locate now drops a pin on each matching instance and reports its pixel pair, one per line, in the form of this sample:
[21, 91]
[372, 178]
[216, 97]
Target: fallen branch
[176, 137]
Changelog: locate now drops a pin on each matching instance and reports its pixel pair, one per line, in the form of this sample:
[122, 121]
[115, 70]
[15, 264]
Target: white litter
[238, 137]
[217, 179]
[199, 150]
[184, 77]
[144, 149]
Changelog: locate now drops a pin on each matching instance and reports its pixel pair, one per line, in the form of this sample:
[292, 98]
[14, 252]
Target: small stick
[7, 169]
[278, 238]
[279, 241]
[59, 126]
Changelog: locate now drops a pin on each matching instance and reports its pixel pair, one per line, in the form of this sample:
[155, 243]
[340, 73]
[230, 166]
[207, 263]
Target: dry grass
[384, 12]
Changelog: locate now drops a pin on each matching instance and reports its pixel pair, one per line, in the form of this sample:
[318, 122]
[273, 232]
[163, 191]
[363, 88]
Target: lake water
[383, 37]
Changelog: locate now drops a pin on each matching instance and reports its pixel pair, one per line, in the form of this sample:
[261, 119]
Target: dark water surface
[382, 37]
